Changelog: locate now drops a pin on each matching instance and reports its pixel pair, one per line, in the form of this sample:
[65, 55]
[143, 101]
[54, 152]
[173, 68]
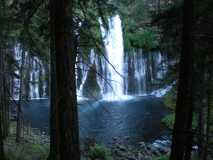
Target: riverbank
[130, 130]
[35, 146]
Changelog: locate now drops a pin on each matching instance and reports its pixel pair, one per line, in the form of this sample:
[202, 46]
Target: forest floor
[35, 146]
[32, 146]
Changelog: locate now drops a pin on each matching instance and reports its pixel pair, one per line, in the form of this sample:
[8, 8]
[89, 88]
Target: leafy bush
[99, 152]
[143, 38]
[169, 120]
[170, 99]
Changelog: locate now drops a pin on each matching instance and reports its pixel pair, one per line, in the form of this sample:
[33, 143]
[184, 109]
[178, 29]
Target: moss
[27, 151]
[31, 146]
[170, 99]
[99, 152]
[169, 120]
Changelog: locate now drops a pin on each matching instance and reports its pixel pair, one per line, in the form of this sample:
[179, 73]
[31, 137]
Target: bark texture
[182, 133]
[64, 115]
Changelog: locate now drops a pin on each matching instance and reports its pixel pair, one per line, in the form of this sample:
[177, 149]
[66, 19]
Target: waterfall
[34, 84]
[142, 71]
[120, 74]
[83, 69]
[16, 81]
[117, 75]
[36, 68]
[113, 40]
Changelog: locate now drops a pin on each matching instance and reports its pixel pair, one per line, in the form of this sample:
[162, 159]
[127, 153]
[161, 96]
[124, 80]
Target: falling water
[118, 74]
[121, 74]
[16, 81]
[84, 70]
[113, 40]
[34, 79]
[34, 69]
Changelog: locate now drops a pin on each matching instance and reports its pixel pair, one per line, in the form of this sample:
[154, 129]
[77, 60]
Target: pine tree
[64, 116]
[182, 133]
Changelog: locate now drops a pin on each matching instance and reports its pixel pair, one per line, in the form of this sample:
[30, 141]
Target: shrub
[169, 120]
[99, 152]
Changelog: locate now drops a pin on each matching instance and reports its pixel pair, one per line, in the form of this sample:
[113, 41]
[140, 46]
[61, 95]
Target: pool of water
[137, 119]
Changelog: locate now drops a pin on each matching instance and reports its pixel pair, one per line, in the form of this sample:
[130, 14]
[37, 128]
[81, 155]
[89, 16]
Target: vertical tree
[1, 104]
[2, 75]
[1, 144]
[181, 142]
[19, 112]
[64, 116]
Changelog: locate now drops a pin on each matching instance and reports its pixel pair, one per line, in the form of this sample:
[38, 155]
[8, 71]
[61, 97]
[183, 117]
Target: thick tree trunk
[1, 104]
[1, 143]
[64, 115]
[6, 105]
[54, 131]
[183, 121]
[208, 120]
[4, 101]
[202, 108]
[2, 96]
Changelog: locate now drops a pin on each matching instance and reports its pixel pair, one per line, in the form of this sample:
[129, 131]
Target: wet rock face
[91, 89]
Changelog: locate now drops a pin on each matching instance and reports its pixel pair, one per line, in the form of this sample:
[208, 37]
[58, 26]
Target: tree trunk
[1, 104]
[26, 81]
[182, 132]
[64, 116]
[18, 121]
[208, 119]
[1, 144]
[4, 101]
[2, 93]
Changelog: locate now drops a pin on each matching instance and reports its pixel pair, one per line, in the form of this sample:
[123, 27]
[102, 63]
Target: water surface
[137, 120]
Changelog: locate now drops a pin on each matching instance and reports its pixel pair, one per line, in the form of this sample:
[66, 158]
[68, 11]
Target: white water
[84, 71]
[16, 81]
[34, 79]
[113, 40]
[121, 77]
[36, 72]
